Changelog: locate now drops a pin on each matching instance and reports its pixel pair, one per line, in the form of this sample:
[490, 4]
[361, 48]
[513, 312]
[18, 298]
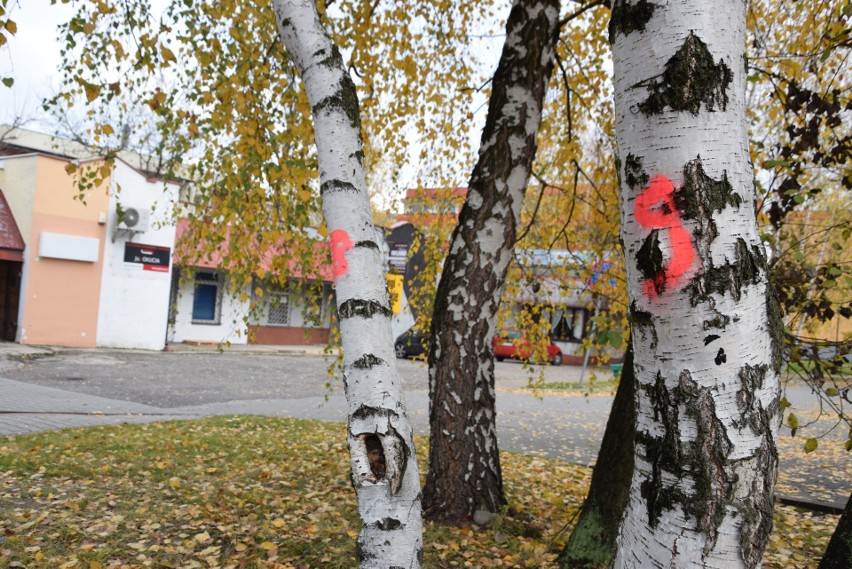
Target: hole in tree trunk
[376, 455]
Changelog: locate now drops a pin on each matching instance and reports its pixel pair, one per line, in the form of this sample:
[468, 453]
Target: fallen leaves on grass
[264, 492]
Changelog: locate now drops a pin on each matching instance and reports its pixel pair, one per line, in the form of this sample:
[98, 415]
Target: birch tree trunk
[464, 463]
[384, 467]
[706, 326]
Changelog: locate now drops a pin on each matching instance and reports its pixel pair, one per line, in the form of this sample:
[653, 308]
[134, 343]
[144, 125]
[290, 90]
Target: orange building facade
[63, 236]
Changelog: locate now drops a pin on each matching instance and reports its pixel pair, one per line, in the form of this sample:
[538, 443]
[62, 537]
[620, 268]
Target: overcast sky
[31, 57]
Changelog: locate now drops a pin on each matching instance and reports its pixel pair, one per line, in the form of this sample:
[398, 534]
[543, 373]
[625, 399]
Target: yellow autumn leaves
[7, 26]
[269, 493]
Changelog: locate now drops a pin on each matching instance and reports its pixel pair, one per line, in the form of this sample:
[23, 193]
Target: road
[160, 385]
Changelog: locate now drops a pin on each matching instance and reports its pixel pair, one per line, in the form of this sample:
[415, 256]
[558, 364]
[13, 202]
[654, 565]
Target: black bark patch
[403, 458]
[708, 458]
[748, 268]
[690, 79]
[659, 496]
[703, 460]
[711, 338]
[775, 319]
[628, 18]
[750, 410]
[332, 59]
[650, 261]
[362, 308]
[634, 174]
[752, 377]
[387, 524]
[376, 456]
[701, 196]
[367, 244]
[666, 411]
[718, 322]
[346, 98]
[618, 168]
[367, 412]
[756, 511]
[663, 453]
[333, 186]
[344, 101]
[721, 357]
[361, 553]
[367, 361]
[643, 321]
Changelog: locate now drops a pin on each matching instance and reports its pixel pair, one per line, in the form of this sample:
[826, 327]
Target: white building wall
[297, 307]
[134, 304]
[230, 327]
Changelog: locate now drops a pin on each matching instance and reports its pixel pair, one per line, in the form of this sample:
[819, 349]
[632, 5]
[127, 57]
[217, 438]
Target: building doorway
[10, 294]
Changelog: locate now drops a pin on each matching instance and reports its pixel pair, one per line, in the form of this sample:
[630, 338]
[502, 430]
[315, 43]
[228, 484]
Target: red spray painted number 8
[655, 209]
[340, 244]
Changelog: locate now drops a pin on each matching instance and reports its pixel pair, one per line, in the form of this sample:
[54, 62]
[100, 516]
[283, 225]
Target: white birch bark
[384, 467]
[704, 321]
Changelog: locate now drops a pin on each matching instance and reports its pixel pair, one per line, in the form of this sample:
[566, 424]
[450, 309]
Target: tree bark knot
[378, 457]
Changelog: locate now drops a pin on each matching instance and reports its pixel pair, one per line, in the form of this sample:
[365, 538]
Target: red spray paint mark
[655, 209]
[340, 244]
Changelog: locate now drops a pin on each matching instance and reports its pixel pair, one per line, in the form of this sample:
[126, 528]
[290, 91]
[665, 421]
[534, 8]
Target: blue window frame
[205, 301]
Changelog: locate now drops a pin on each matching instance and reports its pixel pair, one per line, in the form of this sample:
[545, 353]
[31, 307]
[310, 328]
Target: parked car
[410, 344]
[514, 344]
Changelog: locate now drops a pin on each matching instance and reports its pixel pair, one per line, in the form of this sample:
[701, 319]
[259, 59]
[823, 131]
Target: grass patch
[600, 386]
[265, 492]
[806, 367]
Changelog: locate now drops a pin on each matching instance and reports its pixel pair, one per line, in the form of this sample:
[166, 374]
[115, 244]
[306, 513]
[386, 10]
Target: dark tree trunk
[592, 543]
[464, 464]
[838, 554]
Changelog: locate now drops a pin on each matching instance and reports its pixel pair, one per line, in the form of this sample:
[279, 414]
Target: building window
[279, 309]
[571, 326]
[313, 309]
[206, 299]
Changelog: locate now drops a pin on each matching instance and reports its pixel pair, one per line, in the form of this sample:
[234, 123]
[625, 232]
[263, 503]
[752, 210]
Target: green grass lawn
[262, 492]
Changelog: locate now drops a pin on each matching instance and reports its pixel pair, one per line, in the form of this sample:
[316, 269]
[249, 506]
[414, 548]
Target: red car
[514, 344]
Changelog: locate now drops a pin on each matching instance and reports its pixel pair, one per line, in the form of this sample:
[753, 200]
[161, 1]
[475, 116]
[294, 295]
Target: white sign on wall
[68, 247]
